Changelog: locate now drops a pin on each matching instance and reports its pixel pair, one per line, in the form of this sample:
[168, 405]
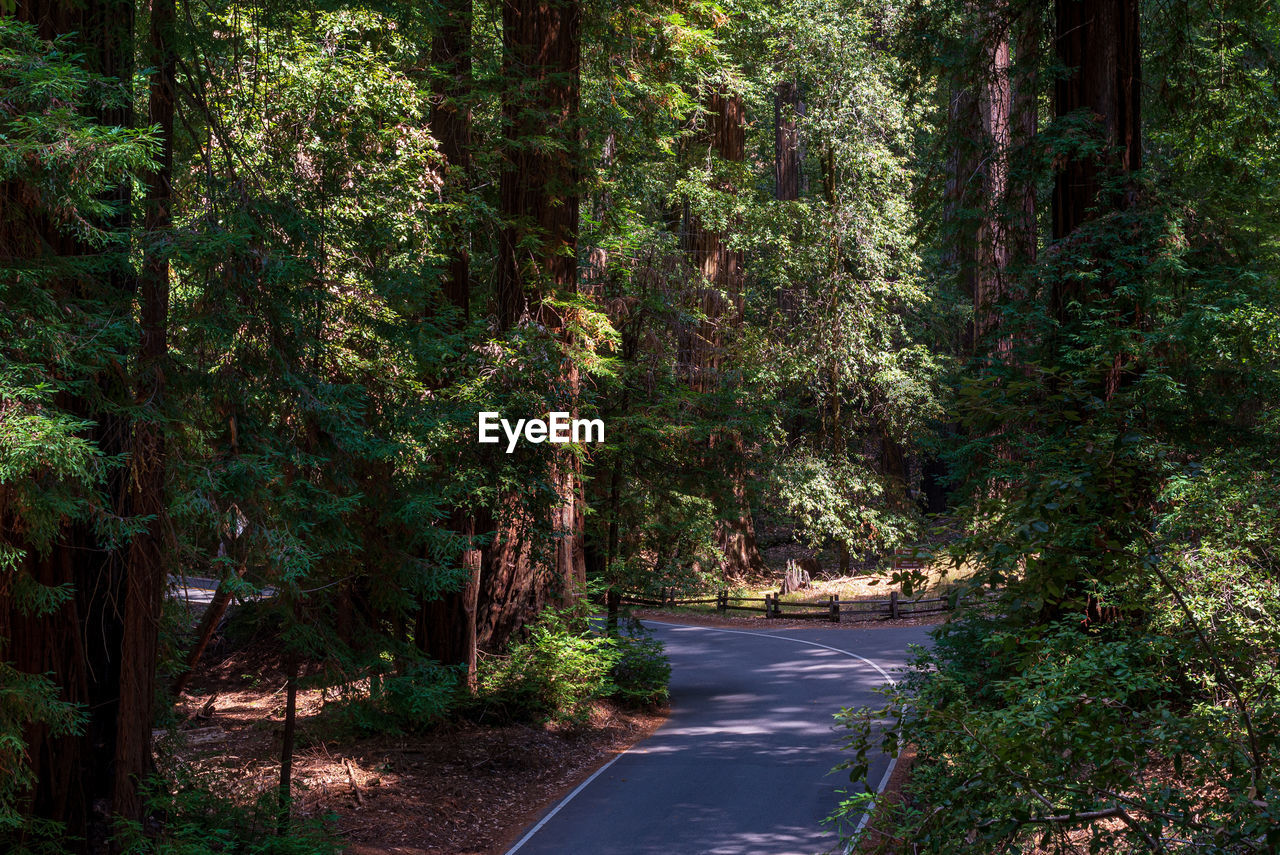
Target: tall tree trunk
[537, 262]
[446, 628]
[978, 176]
[721, 305]
[787, 107]
[81, 781]
[148, 553]
[1024, 126]
[994, 102]
[538, 193]
[1099, 41]
[787, 166]
[451, 125]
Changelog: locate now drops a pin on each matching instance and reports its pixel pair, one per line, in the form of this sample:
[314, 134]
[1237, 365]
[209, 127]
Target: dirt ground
[459, 789]
[462, 788]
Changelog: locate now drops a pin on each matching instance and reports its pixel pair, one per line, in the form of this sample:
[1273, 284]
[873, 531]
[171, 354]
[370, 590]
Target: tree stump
[796, 578]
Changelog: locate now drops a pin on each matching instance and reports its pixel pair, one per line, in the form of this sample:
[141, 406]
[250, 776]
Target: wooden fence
[830, 609]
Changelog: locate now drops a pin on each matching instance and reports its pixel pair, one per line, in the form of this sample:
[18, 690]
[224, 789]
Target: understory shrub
[1026, 734]
[414, 696]
[641, 671]
[198, 818]
[566, 663]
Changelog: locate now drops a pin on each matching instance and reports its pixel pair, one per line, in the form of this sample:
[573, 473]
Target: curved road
[742, 765]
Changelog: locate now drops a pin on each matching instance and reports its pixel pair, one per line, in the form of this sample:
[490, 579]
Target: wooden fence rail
[774, 607]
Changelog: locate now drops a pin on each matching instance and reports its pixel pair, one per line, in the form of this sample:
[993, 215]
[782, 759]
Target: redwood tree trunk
[1099, 39]
[446, 628]
[787, 107]
[148, 563]
[721, 306]
[1024, 126]
[788, 160]
[451, 125]
[87, 644]
[537, 262]
[538, 193]
[978, 179]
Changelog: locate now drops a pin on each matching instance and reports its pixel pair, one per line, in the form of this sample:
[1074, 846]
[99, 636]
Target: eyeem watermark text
[556, 427]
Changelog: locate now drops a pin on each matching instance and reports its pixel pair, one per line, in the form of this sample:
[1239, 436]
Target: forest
[996, 277]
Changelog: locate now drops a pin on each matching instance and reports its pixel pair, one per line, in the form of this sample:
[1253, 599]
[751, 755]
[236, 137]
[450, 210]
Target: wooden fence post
[613, 599]
[835, 608]
[722, 601]
[768, 605]
[893, 605]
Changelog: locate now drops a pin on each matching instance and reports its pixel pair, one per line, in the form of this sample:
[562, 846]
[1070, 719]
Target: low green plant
[1024, 734]
[566, 664]
[200, 820]
[407, 699]
[641, 671]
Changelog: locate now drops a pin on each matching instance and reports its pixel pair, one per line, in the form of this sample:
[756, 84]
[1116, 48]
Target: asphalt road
[742, 766]
[198, 591]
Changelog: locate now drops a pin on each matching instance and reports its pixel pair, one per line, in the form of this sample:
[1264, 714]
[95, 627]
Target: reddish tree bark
[451, 126]
[537, 262]
[538, 193]
[787, 107]
[99, 645]
[721, 305]
[1024, 126]
[446, 628]
[1099, 41]
[978, 177]
[148, 553]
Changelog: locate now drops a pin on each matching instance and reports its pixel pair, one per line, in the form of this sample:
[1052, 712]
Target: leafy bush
[565, 665]
[416, 695]
[1025, 733]
[198, 820]
[553, 676]
[640, 671]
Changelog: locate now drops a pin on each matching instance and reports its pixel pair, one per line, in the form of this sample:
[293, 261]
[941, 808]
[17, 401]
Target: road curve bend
[743, 764]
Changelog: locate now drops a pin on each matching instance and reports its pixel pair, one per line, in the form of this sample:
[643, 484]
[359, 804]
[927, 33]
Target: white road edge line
[866, 816]
[555, 810]
[893, 761]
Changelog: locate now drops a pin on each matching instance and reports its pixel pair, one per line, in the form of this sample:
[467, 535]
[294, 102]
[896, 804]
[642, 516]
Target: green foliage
[838, 500]
[640, 671]
[202, 820]
[27, 699]
[409, 698]
[565, 664]
[1013, 724]
[51, 471]
[1115, 440]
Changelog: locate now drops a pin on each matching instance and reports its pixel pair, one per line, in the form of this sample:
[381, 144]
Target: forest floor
[868, 576]
[462, 788]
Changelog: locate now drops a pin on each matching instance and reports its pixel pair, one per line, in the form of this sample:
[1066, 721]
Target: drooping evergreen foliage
[825, 262]
[1118, 696]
